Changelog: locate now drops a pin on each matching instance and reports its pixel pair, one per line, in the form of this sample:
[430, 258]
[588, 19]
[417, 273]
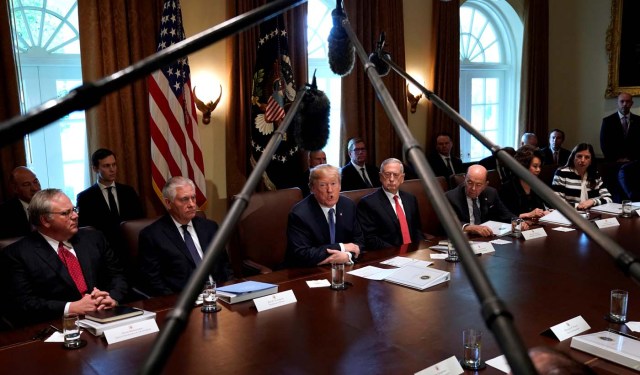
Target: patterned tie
[625, 125]
[476, 212]
[404, 227]
[332, 225]
[191, 246]
[73, 266]
[113, 207]
[364, 177]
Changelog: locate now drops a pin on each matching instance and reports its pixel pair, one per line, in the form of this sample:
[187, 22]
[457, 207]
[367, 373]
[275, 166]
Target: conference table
[373, 327]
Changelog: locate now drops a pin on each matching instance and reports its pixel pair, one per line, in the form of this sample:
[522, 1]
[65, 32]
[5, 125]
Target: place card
[563, 229]
[499, 363]
[130, 331]
[637, 212]
[318, 283]
[482, 248]
[275, 300]
[606, 223]
[568, 329]
[634, 326]
[56, 337]
[500, 242]
[449, 366]
[534, 233]
[439, 256]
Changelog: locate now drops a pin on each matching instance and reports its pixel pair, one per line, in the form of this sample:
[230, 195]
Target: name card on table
[449, 366]
[130, 331]
[275, 300]
[606, 223]
[482, 248]
[568, 329]
[318, 283]
[534, 233]
[500, 362]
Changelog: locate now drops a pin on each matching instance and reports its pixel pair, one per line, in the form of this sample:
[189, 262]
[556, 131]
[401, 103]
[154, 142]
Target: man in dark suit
[106, 203]
[554, 153]
[59, 269]
[620, 132]
[357, 174]
[388, 216]
[441, 160]
[14, 219]
[474, 202]
[323, 227]
[314, 159]
[172, 247]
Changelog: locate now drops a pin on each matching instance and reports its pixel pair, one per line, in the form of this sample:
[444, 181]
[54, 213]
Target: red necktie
[404, 227]
[73, 266]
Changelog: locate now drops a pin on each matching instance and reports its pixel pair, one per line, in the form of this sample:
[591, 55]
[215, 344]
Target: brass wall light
[413, 99]
[206, 108]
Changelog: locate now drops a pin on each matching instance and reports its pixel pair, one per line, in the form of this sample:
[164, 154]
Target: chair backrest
[428, 217]
[130, 231]
[261, 233]
[8, 241]
[356, 195]
[546, 173]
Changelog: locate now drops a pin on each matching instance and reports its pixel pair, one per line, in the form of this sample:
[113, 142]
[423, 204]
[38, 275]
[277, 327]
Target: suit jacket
[165, 261]
[380, 224]
[547, 155]
[491, 207]
[352, 178]
[308, 231]
[516, 200]
[39, 283]
[613, 143]
[13, 219]
[440, 168]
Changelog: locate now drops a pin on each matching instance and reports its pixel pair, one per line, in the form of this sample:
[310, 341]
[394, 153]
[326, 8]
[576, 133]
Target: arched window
[490, 60]
[319, 24]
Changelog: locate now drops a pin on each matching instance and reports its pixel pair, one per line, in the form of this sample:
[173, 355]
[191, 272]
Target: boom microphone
[341, 50]
[311, 124]
[377, 57]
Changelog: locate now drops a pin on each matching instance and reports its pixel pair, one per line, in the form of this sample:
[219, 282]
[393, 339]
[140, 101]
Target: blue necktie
[332, 225]
[476, 212]
[191, 246]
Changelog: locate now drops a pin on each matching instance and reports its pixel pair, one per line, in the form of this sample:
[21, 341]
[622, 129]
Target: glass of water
[71, 331]
[472, 341]
[209, 297]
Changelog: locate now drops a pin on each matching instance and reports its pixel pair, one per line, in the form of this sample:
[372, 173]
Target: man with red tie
[388, 216]
[58, 269]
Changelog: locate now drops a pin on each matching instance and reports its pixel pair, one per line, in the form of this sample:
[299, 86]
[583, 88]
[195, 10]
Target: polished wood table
[374, 327]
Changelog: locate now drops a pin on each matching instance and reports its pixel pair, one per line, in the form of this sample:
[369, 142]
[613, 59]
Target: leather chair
[259, 243]
[547, 172]
[130, 231]
[8, 241]
[428, 217]
[356, 195]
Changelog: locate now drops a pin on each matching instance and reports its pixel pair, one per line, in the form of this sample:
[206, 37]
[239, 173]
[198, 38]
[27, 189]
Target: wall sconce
[413, 99]
[206, 108]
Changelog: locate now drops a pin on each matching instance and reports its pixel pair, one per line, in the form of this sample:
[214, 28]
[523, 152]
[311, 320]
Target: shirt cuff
[67, 306]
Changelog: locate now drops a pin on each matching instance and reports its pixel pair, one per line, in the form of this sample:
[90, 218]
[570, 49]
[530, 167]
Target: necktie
[404, 227]
[332, 225]
[113, 207]
[73, 266]
[364, 177]
[191, 246]
[449, 167]
[476, 212]
[555, 157]
[625, 124]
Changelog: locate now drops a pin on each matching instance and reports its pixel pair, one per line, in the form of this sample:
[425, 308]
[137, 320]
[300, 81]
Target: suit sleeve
[150, 264]
[367, 220]
[112, 275]
[84, 216]
[499, 211]
[301, 250]
[416, 223]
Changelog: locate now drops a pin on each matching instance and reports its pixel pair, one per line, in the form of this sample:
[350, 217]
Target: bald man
[14, 217]
[488, 206]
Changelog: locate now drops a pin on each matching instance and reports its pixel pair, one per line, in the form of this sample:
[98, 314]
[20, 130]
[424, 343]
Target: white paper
[638, 212]
[482, 248]
[275, 300]
[499, 229]
[500, 242]
[606, 223]
[440, 248]
[398, 261]
[534, 233]
[318, 283]
[439, 256]
[130, 331]
[563, 229]
[634, 326]
[55, 337]
[373, 273]
[610, 208]
[500, 363]
[555, 217]
[570, 328]
[449, 366]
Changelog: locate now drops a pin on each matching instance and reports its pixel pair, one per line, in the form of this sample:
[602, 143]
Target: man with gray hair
[390, 217]
[172, 247]
[58, 268]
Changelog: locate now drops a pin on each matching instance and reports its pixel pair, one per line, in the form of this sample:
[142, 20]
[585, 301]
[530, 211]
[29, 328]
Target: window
[319, 24]
[490, 50]
[48, 60]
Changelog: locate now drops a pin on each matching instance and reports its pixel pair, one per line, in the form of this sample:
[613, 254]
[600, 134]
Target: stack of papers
[611, 346]
[609, 208]
[97, 329]
[555, 217]
[499, 229]
[417, 277]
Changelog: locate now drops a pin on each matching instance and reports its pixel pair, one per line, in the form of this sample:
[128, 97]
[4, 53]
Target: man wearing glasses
[357, 174]
[58, 269]
[388, 216]
[14, 217]
[474, 202]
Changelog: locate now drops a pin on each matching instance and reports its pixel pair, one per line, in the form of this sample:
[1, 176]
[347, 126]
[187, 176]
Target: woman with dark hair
[516, 194]
[578, 182]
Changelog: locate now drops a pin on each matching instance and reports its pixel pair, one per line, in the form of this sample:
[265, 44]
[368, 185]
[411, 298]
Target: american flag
[175, 142]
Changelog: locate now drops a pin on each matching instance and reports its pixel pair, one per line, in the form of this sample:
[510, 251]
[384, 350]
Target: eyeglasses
[388, 175]
[66, 213]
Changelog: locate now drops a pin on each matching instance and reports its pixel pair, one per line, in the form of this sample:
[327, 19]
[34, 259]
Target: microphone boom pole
[494, 311]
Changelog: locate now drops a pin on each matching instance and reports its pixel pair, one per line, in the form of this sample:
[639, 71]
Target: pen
[623, 334]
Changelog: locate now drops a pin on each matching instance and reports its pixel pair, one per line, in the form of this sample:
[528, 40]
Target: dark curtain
[114, 35]
[445, 74]
[241, 50]
[534, 97]
[12, 155]
[362, 115]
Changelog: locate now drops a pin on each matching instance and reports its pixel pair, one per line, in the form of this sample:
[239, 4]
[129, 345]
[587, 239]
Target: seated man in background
[388, 216]
[59, 269]
[357, 174]
[529, 139]
[474, 202]
[14, 216]
[314, 159]
[172, 247]
[442, 162]
[323, 227]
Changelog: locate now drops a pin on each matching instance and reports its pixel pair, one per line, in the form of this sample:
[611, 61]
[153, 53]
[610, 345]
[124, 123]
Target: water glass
[209, 297]
[472, 342]
[452, 254]
[618, 309]
[627, 208]
[71, 330]
[516, 227]
[337, 275]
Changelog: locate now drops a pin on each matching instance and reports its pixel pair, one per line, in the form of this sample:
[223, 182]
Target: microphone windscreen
[341, 50]
[311, 124]
[382, 67]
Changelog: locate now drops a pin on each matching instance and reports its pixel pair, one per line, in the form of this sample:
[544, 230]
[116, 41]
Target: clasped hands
[96, 300]
[337, 256]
